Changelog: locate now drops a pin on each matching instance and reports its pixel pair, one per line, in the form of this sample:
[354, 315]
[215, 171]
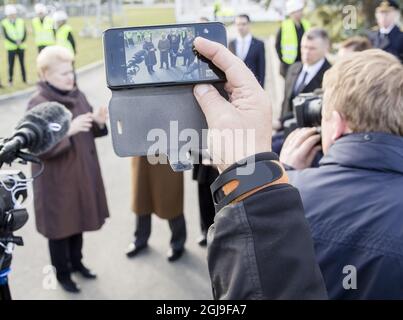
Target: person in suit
[164, 46]
[249, 49]
[388, 36]
[188, 54]
[307, 76]
[174, 42]
[289, 36]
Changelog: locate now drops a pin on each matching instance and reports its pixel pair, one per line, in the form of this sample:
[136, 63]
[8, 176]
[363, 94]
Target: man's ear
[339, 125]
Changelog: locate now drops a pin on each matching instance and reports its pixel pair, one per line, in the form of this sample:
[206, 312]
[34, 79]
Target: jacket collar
[68, 99]
[370, 151]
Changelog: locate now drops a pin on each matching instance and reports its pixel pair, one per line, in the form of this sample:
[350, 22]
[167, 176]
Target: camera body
[13, 192]
[307, 112]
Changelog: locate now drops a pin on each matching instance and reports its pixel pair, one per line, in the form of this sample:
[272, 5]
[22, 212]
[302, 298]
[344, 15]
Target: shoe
[69, 285]
[202, 241]
[85, 272]
[175, 254]
[134, 250]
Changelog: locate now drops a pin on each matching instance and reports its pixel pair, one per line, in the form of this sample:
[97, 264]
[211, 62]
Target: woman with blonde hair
[69, 196]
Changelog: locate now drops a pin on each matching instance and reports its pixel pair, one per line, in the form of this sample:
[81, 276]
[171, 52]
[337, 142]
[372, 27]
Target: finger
[309, 144]
[290, 139]
[210, 101]
[238, 74]
[303, 135]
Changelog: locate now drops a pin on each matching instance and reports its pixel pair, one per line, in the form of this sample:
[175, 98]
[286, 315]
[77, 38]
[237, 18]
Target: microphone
[38, 131]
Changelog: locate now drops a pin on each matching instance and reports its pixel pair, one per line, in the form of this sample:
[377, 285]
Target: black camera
[307, 109]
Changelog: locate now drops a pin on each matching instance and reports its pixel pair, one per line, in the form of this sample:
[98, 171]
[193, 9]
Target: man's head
[314, 46]
[363, 92]
[242, 23]
[60, 17]
[354, 44]
[10, 11]
[387, 14]
[295, 9]
[41, 10]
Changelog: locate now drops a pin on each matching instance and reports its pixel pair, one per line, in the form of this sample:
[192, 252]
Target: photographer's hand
[300, 148]
[248, 108]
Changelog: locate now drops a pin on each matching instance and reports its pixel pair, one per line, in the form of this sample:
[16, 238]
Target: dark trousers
[207, 210]
[164, 59]
[177, 226]
[11, 59]
[150, 69]
[66, 255]
[173, 57]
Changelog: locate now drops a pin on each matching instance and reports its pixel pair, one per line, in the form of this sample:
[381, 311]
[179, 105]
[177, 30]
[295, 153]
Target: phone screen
[160, 55]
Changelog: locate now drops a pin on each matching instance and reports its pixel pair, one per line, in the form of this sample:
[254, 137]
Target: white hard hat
[60, 16]
[10, 10]
[294, 6]
[40, 8]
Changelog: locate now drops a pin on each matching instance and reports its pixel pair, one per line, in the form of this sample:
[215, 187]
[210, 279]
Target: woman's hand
[82, 123]
[100, 117]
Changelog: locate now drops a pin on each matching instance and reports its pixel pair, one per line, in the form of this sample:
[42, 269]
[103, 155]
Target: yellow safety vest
[44, 35]
[289, 40]
[62, 37]
[14, 31]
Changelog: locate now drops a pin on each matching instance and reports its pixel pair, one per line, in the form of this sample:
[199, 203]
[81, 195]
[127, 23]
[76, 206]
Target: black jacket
[261, 248]
[291, 79]
[392, 43]
[255, 59]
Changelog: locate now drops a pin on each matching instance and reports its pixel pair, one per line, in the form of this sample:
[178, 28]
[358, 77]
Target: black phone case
[135, 112]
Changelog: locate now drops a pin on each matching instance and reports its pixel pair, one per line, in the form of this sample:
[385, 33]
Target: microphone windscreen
[54, 120]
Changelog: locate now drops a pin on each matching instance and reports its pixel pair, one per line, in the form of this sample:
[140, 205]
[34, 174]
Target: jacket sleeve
[262, 248]
[262, 65]
[73, 43]
[98, 132]
[278, 45]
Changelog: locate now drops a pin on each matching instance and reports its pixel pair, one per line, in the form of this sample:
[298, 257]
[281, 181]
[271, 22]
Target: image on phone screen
[163, 55]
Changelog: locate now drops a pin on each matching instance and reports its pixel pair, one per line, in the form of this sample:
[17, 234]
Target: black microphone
[41, 128]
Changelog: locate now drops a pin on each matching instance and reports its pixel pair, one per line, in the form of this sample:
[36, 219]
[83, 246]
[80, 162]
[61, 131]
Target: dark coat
[156, 189]
[255, 59]
[150, 57]
[354, 205]
[392, 43]
[291, 79]
[174, 42]
[261, 248]
[69, 196]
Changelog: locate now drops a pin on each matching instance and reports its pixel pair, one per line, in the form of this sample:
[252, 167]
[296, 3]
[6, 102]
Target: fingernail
[202, 89]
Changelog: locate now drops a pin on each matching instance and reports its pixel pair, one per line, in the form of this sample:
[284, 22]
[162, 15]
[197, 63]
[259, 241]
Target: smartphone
[161, 55]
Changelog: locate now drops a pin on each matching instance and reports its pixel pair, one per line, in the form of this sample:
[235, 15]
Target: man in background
[289, 36]
[388, 37]
[306, 76]
[250, 49]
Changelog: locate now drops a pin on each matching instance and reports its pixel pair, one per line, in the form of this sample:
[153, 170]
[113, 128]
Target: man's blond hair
[51, 56]
[367, 89]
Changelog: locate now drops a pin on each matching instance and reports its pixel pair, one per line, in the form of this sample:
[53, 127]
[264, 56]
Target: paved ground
[148, 276]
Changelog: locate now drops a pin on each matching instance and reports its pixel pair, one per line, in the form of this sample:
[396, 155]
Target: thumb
[210, 100]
